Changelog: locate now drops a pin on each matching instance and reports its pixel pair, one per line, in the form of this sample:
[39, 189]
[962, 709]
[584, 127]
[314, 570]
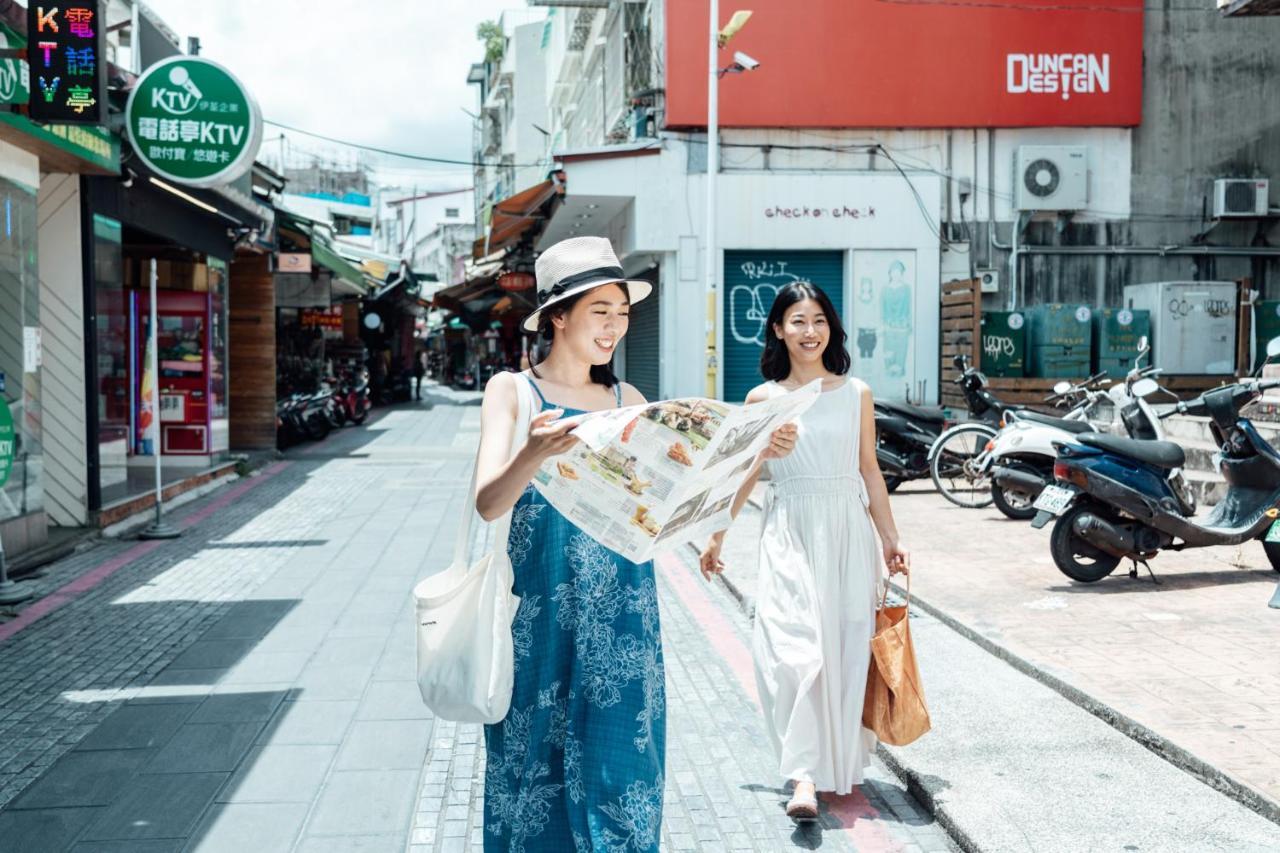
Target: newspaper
[646, 479]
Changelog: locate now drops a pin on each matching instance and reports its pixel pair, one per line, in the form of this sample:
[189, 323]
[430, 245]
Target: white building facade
[881, 216]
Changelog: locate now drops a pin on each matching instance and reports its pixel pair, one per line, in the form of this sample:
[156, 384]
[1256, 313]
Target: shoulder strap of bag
[466, 526]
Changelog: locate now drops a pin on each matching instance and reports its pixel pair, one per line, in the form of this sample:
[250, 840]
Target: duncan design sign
[191, 121]
[915, 63]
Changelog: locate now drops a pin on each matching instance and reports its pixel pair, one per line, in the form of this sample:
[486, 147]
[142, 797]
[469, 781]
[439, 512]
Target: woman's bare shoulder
[631, 396]
[760, 393]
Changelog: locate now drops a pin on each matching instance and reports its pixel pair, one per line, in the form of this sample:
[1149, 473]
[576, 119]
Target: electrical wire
[401, 154]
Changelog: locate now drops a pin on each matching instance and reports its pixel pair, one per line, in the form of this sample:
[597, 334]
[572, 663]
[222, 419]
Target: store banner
[914, 63]
[66, 49]
[192, 122]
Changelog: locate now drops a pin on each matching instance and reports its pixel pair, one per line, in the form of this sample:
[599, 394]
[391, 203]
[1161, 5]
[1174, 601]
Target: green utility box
[1004, 343]
[1266, 324]
[1116, 332]
[1061, 325]
[1059, 341]
[1059, 362]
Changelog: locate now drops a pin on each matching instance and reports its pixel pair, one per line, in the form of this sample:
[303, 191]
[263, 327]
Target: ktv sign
[191, 121]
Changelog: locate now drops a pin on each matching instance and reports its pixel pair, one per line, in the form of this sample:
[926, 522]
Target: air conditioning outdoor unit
[990, 280]
[1240, 197]
[1051, 177]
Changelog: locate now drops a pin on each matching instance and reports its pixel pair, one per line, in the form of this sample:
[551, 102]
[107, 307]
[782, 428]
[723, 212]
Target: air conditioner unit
[1051, 177]
[990, 280]
[1240, 197]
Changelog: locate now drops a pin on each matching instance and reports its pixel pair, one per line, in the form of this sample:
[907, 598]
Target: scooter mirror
[1143, 344]
[1062, 387]
[1273, 348]
[1144, 387]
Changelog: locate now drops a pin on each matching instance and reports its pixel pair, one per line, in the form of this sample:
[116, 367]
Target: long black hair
[775, 362]
[601, 374]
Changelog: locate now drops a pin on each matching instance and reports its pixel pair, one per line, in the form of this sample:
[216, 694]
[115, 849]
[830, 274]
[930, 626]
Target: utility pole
[713, 166]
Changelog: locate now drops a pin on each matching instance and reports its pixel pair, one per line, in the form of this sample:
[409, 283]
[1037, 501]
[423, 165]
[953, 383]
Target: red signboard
[321, 318]
[913, 63]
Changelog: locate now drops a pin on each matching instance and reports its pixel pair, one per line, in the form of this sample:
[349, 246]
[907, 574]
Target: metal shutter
[642, 352]
[751, 280]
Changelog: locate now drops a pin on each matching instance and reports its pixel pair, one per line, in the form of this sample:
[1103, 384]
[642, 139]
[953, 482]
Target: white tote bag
[465, 663]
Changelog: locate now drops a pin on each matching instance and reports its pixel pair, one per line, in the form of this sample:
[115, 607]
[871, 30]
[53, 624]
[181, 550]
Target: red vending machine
[184, 369]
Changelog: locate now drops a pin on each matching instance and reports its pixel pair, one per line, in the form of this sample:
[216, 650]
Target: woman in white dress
[819, 558]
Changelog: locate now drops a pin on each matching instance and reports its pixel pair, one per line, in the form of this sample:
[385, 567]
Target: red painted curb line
[860, 821]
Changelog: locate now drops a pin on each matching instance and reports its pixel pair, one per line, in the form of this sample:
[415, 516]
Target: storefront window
[115, 402]
[20, 348]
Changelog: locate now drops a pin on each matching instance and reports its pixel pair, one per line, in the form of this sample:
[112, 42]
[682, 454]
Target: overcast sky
[389, 73]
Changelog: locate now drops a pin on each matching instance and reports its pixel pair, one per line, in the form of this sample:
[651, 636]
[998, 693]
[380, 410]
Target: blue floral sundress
[578, 763]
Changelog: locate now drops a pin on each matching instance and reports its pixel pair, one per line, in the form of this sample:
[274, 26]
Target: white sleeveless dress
[820, 565]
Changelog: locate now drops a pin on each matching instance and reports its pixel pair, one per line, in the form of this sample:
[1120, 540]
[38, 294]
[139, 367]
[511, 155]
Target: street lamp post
[718, 38]
[713, 166]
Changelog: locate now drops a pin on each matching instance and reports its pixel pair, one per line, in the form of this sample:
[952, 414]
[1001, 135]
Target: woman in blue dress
[578, 763]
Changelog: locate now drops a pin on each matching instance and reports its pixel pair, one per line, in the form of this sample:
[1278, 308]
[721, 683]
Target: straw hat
[576, 265]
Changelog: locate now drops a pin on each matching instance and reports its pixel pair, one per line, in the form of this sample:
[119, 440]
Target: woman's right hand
[709, 561]
[547, 439]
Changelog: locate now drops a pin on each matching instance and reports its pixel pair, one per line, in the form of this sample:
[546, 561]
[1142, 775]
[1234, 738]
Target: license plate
[1273, 535]
[1054, 499]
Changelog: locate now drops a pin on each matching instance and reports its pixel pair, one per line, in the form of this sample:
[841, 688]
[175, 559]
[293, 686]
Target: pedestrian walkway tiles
[251, 686]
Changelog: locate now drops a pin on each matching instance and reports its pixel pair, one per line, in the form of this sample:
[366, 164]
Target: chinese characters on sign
[65, 42]
[192, 122]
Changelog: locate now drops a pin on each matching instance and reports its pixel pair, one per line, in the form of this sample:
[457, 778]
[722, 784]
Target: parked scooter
[1020, 457]
[353, 396]
[1119, 498]
[907, 436]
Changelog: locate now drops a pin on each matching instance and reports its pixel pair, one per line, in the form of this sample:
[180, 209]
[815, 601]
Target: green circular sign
[191, 121]
[8, 442]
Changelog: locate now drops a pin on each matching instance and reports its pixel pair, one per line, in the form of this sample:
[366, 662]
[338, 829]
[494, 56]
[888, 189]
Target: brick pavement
[1193, 658]
[251, 684]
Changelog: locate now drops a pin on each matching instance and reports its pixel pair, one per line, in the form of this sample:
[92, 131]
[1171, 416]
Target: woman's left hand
[897, 558]
[782, 442]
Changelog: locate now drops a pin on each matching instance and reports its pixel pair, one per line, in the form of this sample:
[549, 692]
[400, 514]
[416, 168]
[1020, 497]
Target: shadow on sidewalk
[134, 708]
[1120, 584]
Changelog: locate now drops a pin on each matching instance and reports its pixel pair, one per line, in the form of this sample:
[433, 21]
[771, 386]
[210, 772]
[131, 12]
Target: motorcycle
[1120, 498]
[908, 437]
[1019, 458]
[353, 398]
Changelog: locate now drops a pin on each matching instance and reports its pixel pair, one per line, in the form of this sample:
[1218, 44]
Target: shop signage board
[869, 63]
[66, 50]
[321, 318]
[8, 441]
[293, 262]
[192, 122]
[94, 145]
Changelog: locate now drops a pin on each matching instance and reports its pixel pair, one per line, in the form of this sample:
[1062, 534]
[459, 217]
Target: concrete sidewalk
[252, 684]
[1013, 764]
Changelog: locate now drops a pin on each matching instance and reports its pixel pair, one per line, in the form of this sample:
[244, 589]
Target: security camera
[747, 63]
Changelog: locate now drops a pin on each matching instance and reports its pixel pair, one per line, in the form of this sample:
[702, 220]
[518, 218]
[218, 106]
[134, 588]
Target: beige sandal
[803, 809]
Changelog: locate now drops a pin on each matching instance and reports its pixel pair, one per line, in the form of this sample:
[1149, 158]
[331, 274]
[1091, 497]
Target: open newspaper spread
[646, 479]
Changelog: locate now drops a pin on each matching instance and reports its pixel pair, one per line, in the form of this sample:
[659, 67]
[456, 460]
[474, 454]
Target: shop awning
[345, 277]
[513, 216]
[343, 272]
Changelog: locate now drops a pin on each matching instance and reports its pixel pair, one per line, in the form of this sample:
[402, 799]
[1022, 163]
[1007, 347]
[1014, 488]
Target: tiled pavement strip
[249, 686]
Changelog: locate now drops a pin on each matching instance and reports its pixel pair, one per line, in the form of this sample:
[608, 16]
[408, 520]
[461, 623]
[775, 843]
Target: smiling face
[596, 323]
[804, 331]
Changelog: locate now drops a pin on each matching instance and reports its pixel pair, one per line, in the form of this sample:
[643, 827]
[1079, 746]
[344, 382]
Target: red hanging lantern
[514, 282]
